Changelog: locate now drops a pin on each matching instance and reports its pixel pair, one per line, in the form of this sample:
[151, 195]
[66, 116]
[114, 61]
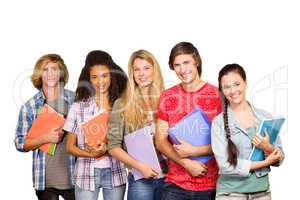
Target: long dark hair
[231, 149]
[118, 77]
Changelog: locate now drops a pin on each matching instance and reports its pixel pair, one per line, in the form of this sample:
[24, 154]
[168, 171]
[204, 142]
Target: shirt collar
[64, 93]
[233, 120]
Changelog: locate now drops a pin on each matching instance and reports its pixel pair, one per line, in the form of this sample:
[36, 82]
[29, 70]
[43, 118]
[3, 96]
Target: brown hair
[231, 149]
[185, 48]
[36, 77]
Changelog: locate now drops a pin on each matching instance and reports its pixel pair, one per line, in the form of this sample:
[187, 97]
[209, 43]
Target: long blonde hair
[135, 111]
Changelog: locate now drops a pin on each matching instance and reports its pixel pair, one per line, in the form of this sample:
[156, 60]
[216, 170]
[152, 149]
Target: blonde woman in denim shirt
[234, 132]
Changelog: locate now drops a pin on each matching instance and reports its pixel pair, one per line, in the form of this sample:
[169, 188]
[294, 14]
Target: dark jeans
[173, 192]
[53, 194]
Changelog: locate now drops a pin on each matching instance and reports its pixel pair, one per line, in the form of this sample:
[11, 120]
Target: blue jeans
[173, 192]
[103, 180]
[144, 189]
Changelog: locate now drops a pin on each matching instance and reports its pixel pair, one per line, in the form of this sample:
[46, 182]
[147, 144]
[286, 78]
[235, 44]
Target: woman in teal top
[234, 132]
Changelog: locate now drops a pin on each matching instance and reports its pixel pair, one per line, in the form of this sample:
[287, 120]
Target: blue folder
[273, 127]
[195, 129]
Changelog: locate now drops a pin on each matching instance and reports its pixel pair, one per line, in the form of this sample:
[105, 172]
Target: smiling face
[185, 68]
[100, 78]
[50, 75]
[234, 88]
[142, 73]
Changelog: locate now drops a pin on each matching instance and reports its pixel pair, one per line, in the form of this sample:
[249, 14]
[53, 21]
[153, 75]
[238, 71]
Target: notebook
[195, 129]
[95, 130]
[140, 146]
[273, 127]
[46, 120]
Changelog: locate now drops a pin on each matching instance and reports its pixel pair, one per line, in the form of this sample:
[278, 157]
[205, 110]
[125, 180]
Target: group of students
[140, 100]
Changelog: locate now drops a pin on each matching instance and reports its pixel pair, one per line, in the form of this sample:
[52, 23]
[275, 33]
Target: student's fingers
[205, 169]
[280, 153]
[176, 147]
[266, 132]
[277, 153]
[155, 173]
[274, 152]
[256, 140]
[102, 145]
[89, 147]
[258, 136]
[97, 145]
[203, 172]
[203, 165]
[58, 128]
[255, 137]
[61, 131]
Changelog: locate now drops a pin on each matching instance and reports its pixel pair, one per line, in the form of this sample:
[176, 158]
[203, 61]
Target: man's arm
[195, 168]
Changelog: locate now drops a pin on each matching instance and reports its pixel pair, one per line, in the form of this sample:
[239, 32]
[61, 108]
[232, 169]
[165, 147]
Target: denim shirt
[242, 141]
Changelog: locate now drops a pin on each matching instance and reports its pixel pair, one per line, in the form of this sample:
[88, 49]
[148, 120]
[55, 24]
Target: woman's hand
[96, 151]
[263, 142]
[147, 171]
[274, 157]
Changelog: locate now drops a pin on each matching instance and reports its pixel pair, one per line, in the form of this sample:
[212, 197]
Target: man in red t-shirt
[186, 178]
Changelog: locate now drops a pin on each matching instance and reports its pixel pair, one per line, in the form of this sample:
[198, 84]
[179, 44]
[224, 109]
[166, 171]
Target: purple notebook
[140, 146]
[195, 129]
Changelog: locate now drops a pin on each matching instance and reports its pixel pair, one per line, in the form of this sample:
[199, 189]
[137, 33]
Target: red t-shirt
[174, 104]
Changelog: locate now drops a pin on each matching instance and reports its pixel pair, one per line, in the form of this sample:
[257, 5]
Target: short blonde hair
[36, 77]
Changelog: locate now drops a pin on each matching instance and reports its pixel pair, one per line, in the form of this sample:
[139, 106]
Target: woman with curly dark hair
[100, 83]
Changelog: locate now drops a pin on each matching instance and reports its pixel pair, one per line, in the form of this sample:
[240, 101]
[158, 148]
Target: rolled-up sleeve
[25, 120]
[71, 124]
[219, 146]
[116, 127]
[278, 145]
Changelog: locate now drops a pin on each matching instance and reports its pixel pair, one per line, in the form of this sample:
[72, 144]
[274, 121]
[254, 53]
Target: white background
[262, 36]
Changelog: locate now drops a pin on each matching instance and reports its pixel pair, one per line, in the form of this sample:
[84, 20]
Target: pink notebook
[140, 146]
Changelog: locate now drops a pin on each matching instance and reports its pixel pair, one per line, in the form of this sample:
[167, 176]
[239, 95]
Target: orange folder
[95, 130]
[46, 120]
